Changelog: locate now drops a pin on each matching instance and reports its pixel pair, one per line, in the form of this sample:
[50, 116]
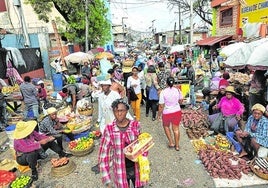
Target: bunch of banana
[222, 142]
[199, 144]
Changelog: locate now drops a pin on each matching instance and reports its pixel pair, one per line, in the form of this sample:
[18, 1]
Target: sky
[142, 15]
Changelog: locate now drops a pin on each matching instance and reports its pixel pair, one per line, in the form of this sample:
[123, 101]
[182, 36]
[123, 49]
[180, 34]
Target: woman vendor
[30, 144]
[116, 169]
[51, 126]
[231, 110]
[256, 130]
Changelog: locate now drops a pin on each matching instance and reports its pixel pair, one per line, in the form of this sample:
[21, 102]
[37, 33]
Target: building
[235, 20]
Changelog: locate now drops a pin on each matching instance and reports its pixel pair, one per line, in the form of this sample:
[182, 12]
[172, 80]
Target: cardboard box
[137, 147]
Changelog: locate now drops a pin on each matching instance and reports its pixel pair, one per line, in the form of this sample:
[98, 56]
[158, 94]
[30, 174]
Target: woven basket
[255, 171]
[63, 170]
[128, 63]
[83, 152]
[87, 112]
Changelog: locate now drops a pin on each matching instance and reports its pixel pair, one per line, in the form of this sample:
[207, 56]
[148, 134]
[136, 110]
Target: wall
[38, 41]
[227, 30]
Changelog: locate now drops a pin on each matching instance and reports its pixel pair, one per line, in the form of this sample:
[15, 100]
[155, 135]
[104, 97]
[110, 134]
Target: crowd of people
[150, 82]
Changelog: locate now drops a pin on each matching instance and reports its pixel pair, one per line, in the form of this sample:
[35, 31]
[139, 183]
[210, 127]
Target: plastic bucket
[57, 82]
[9, 131]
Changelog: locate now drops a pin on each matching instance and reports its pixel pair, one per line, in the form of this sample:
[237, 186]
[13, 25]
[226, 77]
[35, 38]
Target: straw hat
[230, 89]
[51, 110]
[40, 82]
[24, 128]
[258, 107]
[8, 164]
[64, 69]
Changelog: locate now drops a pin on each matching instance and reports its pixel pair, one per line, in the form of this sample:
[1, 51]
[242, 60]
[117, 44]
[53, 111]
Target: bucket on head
[9, 131]
[57, 82]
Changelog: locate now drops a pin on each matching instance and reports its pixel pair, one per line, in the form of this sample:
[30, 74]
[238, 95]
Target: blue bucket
[57, 82]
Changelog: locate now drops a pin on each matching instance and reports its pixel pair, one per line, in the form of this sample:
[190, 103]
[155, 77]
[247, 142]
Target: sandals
[171, 146]
[177, 148]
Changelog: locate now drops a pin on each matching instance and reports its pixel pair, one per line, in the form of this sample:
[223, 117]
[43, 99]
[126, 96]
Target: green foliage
[74, 24]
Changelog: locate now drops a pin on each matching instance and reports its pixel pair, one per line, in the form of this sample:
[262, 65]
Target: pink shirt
[231, 106]
[170, 98]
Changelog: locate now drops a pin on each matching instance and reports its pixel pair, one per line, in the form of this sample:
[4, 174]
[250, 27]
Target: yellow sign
[254, 11]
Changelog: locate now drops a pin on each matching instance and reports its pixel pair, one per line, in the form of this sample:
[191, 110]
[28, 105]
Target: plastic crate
[76, 136]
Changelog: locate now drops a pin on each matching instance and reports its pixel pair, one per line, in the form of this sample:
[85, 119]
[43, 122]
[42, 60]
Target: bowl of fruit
[81, 146]
[22, 181]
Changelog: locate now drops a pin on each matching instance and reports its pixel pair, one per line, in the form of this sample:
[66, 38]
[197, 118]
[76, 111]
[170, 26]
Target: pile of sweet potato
[223, 164]
[195, 122]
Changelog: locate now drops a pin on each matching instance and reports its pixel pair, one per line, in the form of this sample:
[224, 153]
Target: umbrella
[230, 49]
[78, 57]
[103, 55]
[177, 48]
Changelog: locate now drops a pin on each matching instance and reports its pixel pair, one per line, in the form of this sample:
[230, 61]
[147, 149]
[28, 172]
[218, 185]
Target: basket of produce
[22, 181]
[259, 166]
[139, 146]
[64, 170]
[128, 63]
[59, 162]
[222, 142]
[81, 146]
[86, 112]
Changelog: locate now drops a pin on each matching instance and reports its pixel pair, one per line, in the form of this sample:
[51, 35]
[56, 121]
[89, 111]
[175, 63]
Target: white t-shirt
[131, 81]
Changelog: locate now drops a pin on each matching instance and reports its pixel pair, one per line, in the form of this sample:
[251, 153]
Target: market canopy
[177, 48]
[210, 41]
[78, 57]
[253, 54]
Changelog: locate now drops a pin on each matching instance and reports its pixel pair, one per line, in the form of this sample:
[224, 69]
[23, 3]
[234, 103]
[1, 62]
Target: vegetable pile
[196, 123]
[6, 177]
[223, 164]
[59, 162]
[81, 144]
[21, 182]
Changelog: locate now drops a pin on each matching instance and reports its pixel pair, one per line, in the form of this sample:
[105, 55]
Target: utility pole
[123, 27]
[180, 40]
[18, 6]
[174, 33]
[191, 22]
[86, 30]
[153, 31]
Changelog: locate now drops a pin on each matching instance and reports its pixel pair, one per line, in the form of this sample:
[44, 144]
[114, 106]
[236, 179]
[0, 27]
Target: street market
[181, 108]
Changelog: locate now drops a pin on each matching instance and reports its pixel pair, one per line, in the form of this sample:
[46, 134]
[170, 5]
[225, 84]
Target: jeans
[192, 96]
[34, 108]
[151, 104]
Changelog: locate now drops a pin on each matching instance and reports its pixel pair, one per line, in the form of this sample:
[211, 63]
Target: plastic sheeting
[253, 54]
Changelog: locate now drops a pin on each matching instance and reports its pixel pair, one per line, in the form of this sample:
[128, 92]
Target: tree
[74, 23]
[200, 7]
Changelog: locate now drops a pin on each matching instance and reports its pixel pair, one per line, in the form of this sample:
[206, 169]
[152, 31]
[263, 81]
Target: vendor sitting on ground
[51, 126]
[231, 110]
[30, 145]
[256, 130]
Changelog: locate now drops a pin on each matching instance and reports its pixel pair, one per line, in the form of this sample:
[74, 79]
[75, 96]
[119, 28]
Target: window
[226, 17]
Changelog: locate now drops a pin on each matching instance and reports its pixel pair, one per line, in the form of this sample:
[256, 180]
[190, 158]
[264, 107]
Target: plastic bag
[144, 167]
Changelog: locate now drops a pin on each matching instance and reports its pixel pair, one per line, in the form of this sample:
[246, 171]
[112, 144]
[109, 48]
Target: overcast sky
[143, 14]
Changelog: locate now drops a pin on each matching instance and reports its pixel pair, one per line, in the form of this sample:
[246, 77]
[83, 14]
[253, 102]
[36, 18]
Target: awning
[210, 41]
